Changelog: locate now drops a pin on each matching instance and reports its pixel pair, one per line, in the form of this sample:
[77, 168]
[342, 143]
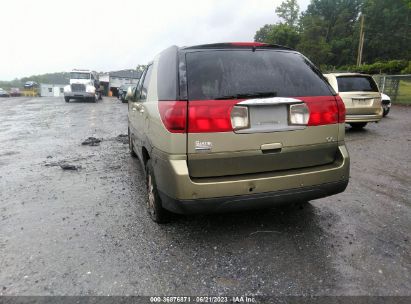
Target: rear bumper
[363, 118]
[182, 194]
[251, 201]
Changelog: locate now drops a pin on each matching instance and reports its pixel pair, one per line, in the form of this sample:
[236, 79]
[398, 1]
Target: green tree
[53, 78]
[262, 34]
[141, 67]
[281, 34]
[288, 11]
[313, 43]
[387, 30]
[328, 30]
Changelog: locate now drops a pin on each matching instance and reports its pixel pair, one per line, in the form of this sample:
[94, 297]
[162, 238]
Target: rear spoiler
[236, 45]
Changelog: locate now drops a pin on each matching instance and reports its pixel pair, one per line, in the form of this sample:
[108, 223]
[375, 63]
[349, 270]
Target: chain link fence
[398, 87]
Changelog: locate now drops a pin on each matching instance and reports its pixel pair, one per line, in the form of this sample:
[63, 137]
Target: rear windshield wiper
[248, 95]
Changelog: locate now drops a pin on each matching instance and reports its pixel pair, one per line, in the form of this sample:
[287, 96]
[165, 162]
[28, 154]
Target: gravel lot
[86, 232]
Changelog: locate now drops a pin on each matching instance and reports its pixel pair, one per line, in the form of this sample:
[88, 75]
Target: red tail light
[207, 116]
[323, 110]
[210, 115]
[203, 115]
[341, 109]
[174, 115]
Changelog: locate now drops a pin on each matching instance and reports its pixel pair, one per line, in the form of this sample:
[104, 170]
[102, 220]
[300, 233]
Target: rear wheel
[385, 110]
[66, 99]
[302, 204]
[154, 207]
[130, 145]
[358, 125]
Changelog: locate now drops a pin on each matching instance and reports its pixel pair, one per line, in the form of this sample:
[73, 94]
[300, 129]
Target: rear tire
[130, 145]
[154, 206]
[66, 99]
[385, 110]
[358, 125]
[302, 204]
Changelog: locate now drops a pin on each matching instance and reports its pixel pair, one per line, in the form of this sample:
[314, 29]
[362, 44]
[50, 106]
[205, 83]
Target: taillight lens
[323, 110]
[299, 114]
[210, 115]
[341, 109]
[207, 116]
[174, 115]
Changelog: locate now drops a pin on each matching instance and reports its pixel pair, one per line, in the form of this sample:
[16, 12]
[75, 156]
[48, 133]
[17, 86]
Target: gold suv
[361, 97]
[236, 126]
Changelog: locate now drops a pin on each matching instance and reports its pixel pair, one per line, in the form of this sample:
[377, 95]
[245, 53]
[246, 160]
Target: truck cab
[84, 84]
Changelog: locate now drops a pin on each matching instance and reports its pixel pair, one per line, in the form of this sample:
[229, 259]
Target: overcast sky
[58, 35]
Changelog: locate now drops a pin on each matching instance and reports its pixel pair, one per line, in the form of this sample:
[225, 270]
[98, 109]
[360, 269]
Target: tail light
[203, 116]
[174, 115]
[213, 116]
[323, 110]
[341, 109]
[209, 116]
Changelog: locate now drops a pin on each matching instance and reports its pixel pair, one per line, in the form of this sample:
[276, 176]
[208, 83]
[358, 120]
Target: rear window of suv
[220, 74]
[356, 83]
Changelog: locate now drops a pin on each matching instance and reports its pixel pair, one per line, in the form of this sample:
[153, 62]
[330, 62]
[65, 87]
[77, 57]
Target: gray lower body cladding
[251, 201]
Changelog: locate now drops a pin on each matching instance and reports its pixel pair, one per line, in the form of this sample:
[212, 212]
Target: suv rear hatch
[252, 108]
[360, 94]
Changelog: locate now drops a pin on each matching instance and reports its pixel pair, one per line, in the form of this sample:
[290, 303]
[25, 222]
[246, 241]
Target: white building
[52, 90]
[113, 80]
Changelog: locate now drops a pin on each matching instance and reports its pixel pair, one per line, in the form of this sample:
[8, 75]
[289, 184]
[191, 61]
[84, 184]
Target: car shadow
[80, 100]
[287, 244]
[350, 130]
[290, 247]
[278, 219]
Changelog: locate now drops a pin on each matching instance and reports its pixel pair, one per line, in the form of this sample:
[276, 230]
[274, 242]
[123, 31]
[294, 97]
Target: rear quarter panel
[156, 135]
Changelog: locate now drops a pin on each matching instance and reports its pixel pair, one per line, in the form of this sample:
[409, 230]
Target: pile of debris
[92, 141]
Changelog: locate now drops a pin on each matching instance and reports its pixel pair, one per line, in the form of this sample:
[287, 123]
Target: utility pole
[361, 41]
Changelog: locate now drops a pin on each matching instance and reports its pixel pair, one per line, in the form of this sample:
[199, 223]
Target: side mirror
[130, 95]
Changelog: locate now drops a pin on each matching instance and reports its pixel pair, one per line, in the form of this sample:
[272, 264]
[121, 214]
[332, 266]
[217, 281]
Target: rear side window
[146, 81]
[167, 74]
[137, 91]
[223, 73]
[356, 83]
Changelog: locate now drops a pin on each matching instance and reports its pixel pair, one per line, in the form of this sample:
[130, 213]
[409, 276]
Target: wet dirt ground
[85, 231]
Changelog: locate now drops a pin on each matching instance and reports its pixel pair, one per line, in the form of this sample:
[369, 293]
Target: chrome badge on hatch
[203, 146]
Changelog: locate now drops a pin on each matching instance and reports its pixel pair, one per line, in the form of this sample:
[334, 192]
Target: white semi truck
[84, 84]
